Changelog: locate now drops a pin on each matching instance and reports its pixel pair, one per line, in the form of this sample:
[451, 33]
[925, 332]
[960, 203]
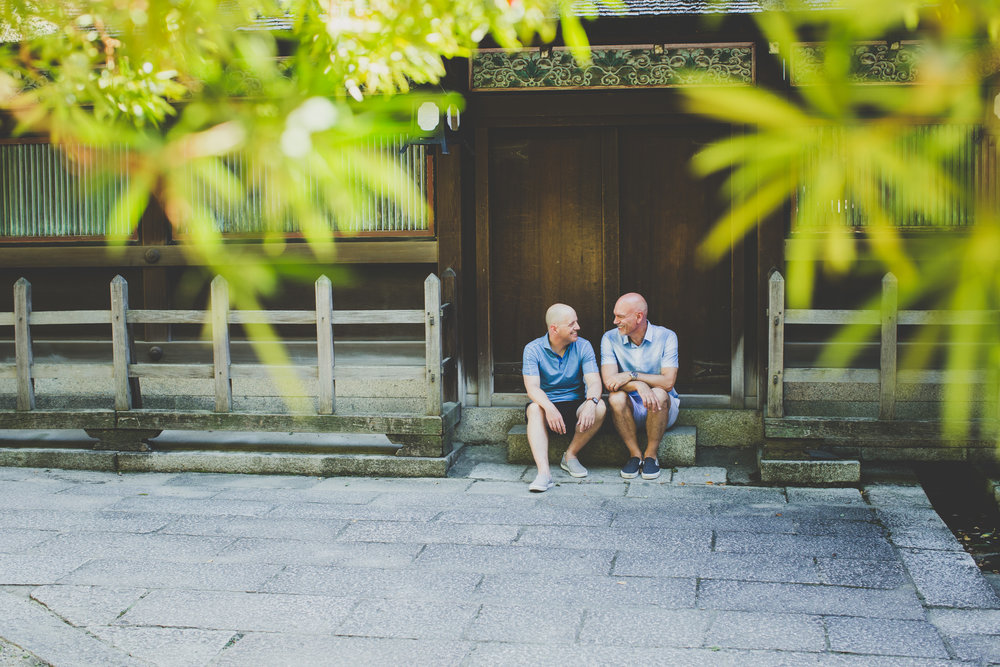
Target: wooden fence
[126, 374]
[888, 320]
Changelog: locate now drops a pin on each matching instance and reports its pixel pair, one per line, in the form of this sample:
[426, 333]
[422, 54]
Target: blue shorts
[639, 412]
[566, 408]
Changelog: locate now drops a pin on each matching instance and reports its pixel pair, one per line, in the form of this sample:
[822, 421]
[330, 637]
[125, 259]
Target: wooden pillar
[22, 345]
[887, 373]
[120, 344]
[451, 294]
[776, 346]
[326, 391]
[220, 345]
[432, 338]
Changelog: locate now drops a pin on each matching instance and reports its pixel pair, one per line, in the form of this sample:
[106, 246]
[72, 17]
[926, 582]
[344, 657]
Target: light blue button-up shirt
[657, 351]
[561, 377]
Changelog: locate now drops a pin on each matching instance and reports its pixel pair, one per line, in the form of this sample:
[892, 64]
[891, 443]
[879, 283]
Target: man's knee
[534, 411]
[618, 400]
[662, 397]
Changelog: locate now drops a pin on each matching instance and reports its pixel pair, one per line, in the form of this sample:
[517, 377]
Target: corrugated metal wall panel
[936, 206]
[44, 194]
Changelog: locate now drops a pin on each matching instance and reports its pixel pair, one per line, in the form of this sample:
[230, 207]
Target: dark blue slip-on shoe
[631, 469]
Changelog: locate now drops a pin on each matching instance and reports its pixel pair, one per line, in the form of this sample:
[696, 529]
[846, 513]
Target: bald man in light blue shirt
[563, 383]
[639, 369]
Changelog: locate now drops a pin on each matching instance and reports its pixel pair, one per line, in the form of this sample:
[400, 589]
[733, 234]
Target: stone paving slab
[668, 543]
[411, 532]
[900, 603]
[22, 570]
[885, 637]
[161, 574]
[949, 579]
[588, 591]
[87, 605]
[717, 565]
[783, 632]
[237, 611]
[862, 573]
[167, 647]
[34, 629]
[350, 512]
[99, 521]
[680, 628]
[824, 546]
[239, 526]
[275, 649]
[465, 558]
[192, 569]
[310, 552]
[374, 582]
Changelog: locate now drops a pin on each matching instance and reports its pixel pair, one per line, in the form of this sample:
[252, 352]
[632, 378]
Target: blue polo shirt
[561, 377]
[657, 351]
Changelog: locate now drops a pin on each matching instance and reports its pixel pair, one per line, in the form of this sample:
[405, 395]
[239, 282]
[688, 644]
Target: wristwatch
[634, 374]
[595, 400]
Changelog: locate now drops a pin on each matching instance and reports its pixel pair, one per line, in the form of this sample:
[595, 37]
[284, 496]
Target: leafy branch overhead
[293, 86]
[214, 104]
[888, 136]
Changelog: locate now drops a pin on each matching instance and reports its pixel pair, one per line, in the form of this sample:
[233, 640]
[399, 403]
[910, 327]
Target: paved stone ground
[196, 569]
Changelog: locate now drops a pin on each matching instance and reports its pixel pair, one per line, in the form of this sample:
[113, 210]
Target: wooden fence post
[776, 346]
[326, 391]
[120, 358]
[22, 345]
[887, 363]
[450, 294]
[432, 334]
[220, 345]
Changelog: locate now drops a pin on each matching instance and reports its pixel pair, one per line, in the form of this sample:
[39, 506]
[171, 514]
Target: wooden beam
[832, 316]
[345, 252]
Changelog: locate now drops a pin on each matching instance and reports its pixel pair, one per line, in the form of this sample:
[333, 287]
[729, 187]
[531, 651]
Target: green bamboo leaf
[752, 106]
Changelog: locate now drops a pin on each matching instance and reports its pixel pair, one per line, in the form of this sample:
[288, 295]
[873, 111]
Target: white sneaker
[573, 467]
[541, 484]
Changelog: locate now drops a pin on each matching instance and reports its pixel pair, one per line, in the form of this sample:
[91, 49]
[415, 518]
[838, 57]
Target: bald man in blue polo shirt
[639, 369]
[564, 384]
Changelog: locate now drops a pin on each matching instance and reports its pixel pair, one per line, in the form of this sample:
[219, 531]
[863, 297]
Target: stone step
[798, 464]
[677, 447]
[240, 462]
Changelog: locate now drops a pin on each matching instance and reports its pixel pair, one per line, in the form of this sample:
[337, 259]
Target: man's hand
[648, 397]
[554, 419]
[619, 380]
[587, 416]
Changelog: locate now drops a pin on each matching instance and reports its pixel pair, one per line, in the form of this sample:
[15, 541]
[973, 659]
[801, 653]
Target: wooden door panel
[665, 213]
[546, 237]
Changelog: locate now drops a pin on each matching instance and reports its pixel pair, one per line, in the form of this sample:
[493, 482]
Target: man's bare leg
[538, 439]
[582, 438]
[656, 424]
[621, 413]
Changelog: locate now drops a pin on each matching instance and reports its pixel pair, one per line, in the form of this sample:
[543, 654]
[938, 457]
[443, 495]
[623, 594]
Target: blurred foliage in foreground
[298, 88]
[878, 162]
